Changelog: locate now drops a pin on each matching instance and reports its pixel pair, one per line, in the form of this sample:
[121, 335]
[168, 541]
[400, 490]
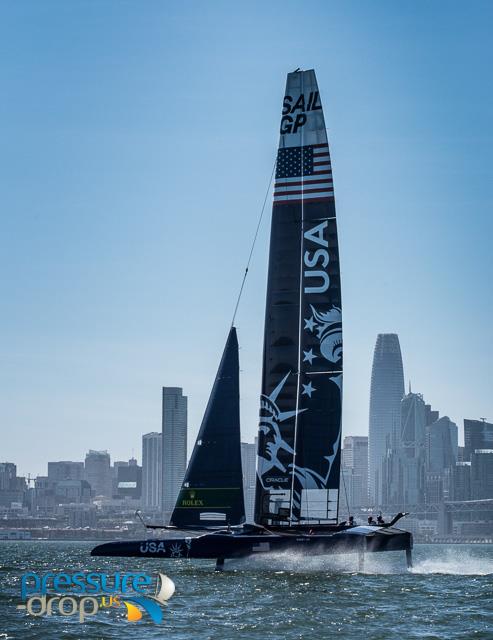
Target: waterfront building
[386, 392]
[71, 492]
[478, 434]
[79, 515]
[174, 446]
[249, 469]
[97, 472]
[152, 455]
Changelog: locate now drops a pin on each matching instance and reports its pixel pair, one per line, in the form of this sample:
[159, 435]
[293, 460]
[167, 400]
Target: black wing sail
[212, 491]
[301, 401]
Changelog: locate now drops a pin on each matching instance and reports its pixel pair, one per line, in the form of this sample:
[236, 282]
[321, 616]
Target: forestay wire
[253, 243]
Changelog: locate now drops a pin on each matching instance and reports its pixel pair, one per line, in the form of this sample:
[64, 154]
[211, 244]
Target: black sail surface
[301, 401]
[212, 491]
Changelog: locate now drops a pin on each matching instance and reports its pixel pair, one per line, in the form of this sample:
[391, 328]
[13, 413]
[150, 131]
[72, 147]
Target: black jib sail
[301, 401]
[212, 491]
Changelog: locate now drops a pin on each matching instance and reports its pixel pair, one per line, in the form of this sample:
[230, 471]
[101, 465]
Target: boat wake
[455, 562]
[392, 562]
[443, 562]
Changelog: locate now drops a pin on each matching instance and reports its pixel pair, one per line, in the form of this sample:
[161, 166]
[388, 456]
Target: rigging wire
[345, 492]
[253, 243]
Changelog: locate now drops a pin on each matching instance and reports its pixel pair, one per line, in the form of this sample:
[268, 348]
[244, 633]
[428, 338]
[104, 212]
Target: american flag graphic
[303, 173]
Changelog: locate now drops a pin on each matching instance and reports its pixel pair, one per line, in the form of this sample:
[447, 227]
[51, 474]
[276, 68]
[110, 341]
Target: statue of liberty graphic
[277, 468]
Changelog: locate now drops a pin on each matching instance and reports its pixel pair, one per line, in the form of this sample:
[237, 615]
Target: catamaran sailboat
[299, 441]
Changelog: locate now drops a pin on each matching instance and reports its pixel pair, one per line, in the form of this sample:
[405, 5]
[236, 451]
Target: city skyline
[192, 433]
[121, 279]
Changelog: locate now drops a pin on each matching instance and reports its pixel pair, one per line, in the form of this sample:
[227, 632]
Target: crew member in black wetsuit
[380, 520]
[370, 520]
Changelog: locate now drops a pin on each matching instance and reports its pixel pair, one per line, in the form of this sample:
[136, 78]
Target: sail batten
[212, 490]
[301, 402]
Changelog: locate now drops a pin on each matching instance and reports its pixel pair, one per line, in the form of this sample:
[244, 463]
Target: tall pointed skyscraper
[386, 393]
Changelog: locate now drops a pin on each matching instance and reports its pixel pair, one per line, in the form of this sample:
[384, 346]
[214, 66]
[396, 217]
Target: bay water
[447, 594]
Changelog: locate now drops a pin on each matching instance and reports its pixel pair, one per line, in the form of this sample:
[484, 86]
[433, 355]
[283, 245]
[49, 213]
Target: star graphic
[309, 323]
[308, 389]
[309, 357]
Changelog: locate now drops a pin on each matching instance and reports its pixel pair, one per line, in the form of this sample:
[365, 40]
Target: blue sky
[137, 142]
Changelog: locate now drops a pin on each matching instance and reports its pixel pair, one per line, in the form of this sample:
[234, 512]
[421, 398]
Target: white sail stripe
[305, 186]
[322, 167]
[327, 175]
[305, 194]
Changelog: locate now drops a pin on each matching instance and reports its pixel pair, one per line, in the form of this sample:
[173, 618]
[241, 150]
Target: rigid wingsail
[301, 403]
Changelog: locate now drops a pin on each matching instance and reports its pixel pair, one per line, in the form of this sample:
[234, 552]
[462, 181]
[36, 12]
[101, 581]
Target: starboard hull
[238, 545]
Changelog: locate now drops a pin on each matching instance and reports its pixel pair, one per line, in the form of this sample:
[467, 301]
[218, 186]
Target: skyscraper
[249, 468]
[174, 441]
[152, 455]
[65, 470]
[403, 471]
[97, 472]
[441, 445]
[129, 480]
[355, 469]
[8, 473]
[482, 474]
[478, 434]
[461, 481]
[386, 392]
[12, 487]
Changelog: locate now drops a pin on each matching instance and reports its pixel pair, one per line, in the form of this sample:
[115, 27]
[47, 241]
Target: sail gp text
[291, 121]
